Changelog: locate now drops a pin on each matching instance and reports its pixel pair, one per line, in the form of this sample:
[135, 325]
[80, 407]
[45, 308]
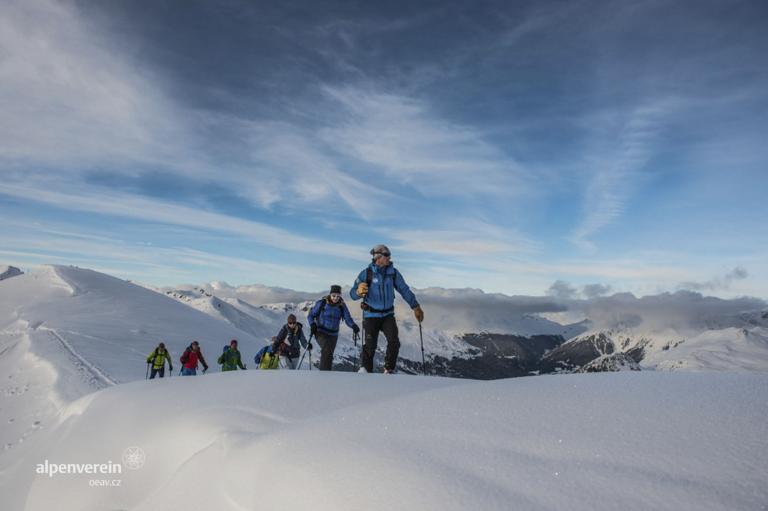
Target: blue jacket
[329, 316]
[381, 292]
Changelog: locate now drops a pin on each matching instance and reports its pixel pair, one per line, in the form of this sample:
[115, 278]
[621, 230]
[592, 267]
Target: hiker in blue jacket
[376, 285]
[324, 319]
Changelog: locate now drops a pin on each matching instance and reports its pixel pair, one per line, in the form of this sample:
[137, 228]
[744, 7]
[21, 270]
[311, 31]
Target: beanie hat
[336, 289]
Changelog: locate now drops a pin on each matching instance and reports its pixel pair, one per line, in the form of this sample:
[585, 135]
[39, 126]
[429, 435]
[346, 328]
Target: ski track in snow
[83, 364]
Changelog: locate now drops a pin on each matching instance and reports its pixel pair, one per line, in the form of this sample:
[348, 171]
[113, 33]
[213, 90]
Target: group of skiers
[375, 285]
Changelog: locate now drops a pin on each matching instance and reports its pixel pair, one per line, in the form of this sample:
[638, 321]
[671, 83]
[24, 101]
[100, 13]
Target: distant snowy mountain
[479, 335]
[743, 348]
[6, 272]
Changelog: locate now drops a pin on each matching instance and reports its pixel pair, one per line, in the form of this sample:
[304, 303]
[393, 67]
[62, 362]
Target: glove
[205, 369]
[170, 368]
[418, 313]
[309, 346]
[355, 329]
[313, 329]
[362, 289]
[245, 367]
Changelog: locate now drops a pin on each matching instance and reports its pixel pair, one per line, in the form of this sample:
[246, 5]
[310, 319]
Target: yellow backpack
[269, 361]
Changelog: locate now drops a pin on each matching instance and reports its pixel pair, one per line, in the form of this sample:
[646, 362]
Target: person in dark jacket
[190, 358]
[230, 360]
[157, 358]
[324, 319]
[289, 341]
[376, 285]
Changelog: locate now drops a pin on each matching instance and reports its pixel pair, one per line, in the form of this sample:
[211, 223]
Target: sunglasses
[335, 295]
[382, 254]
[291, 323]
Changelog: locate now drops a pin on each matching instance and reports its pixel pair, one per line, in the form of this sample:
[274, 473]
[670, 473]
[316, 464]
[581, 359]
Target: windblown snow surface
[310, 440]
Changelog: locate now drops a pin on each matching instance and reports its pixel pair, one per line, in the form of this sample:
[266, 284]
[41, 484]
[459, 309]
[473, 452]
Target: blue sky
[493, 146]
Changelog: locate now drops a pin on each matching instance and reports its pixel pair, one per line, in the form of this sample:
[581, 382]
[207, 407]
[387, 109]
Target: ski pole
[362, 321]
[305, 352]
[146, 377]
[423, 363]
[355, 338]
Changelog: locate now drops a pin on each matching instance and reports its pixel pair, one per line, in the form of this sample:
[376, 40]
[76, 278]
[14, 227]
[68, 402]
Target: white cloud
[155, 211]
[562, 290]
[68, 99]
[405, 140]
[461, 239]
[717, 283]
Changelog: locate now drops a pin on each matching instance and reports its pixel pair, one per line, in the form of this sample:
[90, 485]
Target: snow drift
[311, 440]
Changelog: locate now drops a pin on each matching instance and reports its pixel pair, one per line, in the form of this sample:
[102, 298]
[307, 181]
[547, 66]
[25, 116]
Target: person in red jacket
[192, 355]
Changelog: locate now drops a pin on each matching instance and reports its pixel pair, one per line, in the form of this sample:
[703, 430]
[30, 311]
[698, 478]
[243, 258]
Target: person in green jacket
[230, 359]
[157, 358]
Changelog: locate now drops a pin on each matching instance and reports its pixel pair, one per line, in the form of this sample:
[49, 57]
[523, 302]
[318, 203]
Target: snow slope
[65, 332]
[328, 441]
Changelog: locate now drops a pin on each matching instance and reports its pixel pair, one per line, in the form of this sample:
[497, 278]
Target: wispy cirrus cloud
[622, 149]
[400, 136]
[156, 211]
[463, 239]
[69, 100]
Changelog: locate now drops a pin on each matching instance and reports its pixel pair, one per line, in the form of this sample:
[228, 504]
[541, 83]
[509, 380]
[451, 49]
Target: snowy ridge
[224, 311]
[723, 349]
[66, 332]
[6, 272]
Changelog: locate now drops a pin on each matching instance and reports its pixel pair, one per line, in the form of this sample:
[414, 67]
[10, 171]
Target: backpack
[270, 361]
[185, 355]
[223, 357]
[265, 359]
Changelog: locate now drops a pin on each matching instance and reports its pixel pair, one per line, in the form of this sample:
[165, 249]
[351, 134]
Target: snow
[73, 344]
[733, 349]
[729, 349]
[311, 440]
[66, 332]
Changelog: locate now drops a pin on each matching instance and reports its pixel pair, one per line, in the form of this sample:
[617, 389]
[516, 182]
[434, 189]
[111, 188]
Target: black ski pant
[154, 371]
[372, 327]
[327, 344]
